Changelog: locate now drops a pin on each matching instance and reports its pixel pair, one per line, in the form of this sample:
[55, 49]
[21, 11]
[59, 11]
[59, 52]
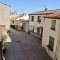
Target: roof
[47, 12]
[12, 13]
[42, 12]
[25, 18]
[16, 17]
[56, 14]
[5, 4]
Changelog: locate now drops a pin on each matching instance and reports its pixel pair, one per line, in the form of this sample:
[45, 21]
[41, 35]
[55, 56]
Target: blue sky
[28, 6]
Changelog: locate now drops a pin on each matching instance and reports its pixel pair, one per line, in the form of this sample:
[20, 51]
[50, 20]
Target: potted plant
[4, 37]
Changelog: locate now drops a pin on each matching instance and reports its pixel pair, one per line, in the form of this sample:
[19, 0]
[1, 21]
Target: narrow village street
[25, 47]
[29, 30]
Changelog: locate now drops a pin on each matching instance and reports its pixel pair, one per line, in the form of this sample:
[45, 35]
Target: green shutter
[53, 24]
[38, 29]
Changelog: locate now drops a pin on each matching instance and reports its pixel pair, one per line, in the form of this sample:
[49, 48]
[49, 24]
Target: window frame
[53, 24]
[39, 19]
[37, 30]
[32, 18]
[51, 43]
[13, 22]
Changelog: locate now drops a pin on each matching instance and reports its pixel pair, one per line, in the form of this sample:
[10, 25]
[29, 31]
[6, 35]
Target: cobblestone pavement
[25, 47]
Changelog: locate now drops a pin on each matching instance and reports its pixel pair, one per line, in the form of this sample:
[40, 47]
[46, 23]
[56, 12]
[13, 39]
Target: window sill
[52, 28]
[38, 21]
[32, 20]
[50, 48]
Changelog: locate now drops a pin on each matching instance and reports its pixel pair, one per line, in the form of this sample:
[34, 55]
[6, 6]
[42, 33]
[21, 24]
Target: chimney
[15, 12]
[45, 9]
[24, 14]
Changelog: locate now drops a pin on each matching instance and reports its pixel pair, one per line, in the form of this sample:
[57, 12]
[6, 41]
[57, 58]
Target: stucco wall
[25, 27]
[15, 22]
[59, 54]
[34, 23]
[48, 32]
[4, 15]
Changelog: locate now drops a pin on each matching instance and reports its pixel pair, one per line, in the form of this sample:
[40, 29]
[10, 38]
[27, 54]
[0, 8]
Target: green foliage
[4, 38]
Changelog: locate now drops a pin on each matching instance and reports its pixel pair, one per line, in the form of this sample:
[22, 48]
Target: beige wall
[25, 25]
[15, 22]
[34, 23]
[48, 32]
[59, 54]
[4, 15]
[59, 44]
[12, 15]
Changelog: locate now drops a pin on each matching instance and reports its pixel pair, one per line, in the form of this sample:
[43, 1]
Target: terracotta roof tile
[42, 12]
[47, 12]
[16, 17]
[56, 14]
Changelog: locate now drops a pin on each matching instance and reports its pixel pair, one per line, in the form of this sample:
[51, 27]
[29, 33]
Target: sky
[28, 6]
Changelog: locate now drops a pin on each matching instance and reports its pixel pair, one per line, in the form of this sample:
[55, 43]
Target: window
[39, 18]
[53, 24]
[32, 18]
[51, 43]
[38, 30]
[12, 21]
[33, 29]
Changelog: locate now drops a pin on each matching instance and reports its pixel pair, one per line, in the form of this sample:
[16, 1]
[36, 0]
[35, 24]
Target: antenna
[22, 11]
[44, 7]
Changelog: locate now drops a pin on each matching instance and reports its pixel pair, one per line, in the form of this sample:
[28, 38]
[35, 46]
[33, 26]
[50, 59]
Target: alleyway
[25, 47]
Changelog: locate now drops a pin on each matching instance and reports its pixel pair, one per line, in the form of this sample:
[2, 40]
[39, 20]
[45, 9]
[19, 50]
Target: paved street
[25, 47]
